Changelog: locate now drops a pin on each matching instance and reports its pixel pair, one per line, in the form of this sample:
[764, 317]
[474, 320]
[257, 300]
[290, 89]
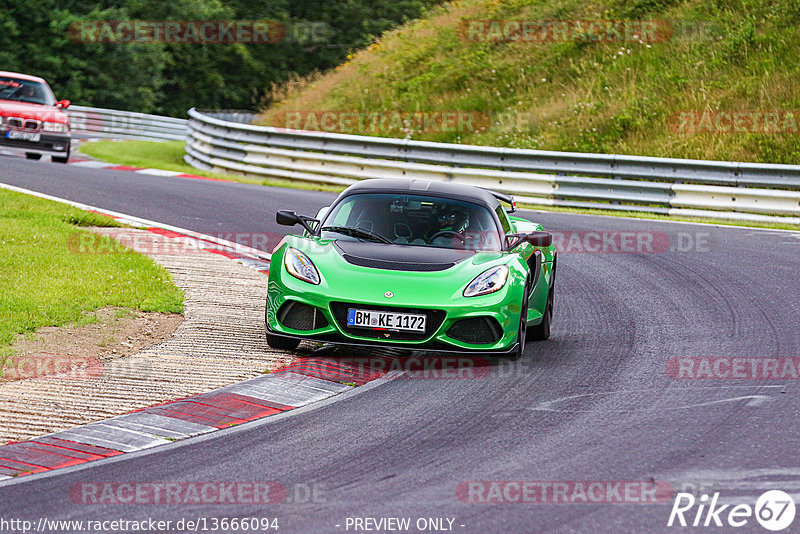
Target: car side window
[504, 222]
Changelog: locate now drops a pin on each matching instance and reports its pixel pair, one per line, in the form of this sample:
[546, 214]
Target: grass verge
[169, 156]
[44, 283]
[625, 94]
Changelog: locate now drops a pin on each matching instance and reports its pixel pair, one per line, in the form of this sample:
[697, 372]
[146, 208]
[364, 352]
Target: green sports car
[412, 264]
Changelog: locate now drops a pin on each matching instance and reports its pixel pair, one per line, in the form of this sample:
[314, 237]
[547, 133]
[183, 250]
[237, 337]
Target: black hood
[400, 257]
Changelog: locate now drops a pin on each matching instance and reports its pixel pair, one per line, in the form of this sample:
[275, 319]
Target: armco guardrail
[743, 191]
[98, 122]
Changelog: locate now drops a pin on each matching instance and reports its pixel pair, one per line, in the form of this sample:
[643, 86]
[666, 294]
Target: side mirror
[287, 218]
[63, 104]
[513, 206]
[290, 218]
[537, 239]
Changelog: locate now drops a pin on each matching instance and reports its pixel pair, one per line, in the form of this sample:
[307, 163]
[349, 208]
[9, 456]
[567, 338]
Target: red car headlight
[57, 127]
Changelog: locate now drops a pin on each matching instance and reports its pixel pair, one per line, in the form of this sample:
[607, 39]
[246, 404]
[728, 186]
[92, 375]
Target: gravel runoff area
[221, 341]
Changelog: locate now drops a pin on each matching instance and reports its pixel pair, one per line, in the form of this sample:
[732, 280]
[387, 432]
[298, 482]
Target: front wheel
[541, 331]
[32, 155]
[64, 158]
[522, 334]
[282, 343]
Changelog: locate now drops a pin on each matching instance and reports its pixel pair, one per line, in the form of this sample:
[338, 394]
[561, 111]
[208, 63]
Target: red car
[31, 121]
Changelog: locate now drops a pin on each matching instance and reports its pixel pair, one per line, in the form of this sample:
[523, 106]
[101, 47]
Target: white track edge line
[138, 221]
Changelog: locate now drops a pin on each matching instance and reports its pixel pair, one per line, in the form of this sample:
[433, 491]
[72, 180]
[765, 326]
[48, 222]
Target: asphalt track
[594, 403]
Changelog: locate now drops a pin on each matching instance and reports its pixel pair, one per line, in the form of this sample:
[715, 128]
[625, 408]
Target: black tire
[64, 158]
[522, 333]
[541, 331]
[31, 155]
[282, 343]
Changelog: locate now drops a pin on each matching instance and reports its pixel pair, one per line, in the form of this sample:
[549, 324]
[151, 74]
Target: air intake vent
[301, 316]
[478, 331]
[396, 265]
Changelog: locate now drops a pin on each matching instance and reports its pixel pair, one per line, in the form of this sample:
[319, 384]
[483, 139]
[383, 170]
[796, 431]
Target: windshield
[25, 91]
[415, 220]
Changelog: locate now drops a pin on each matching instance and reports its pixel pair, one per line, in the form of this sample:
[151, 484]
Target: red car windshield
[26, 91]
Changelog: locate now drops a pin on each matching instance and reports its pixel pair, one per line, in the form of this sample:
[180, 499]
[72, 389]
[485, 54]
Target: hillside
[728, 69]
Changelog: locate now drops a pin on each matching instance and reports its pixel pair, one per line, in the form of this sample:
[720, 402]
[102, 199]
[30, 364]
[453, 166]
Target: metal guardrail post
[88, 122]
[742, 191]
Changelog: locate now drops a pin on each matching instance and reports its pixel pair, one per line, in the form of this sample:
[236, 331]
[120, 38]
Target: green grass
[168, 156]
[584, 96]
[43, 283]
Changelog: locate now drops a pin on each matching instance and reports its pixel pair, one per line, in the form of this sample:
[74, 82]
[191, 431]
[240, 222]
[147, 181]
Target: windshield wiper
[357, 232]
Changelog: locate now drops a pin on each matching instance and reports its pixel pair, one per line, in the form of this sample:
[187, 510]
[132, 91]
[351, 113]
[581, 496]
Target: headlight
[488, 281]
[59, 127]
[300, 266]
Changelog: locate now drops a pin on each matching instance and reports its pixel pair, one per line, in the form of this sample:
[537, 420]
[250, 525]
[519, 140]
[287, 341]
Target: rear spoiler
[508, 199]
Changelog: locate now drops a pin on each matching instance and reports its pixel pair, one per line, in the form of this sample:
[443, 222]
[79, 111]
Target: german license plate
[33, 137]
[383, 320]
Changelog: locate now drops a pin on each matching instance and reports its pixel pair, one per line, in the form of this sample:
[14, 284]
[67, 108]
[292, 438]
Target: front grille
[24, 124]
[396, 265]
[477, 330]
[301, 316]
[433, 321]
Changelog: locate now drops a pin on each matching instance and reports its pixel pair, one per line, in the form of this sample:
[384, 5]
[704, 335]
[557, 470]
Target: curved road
[594, 403]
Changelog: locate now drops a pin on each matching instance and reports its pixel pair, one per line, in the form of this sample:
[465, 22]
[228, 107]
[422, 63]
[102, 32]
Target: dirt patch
[220, 342]
[80, 351]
